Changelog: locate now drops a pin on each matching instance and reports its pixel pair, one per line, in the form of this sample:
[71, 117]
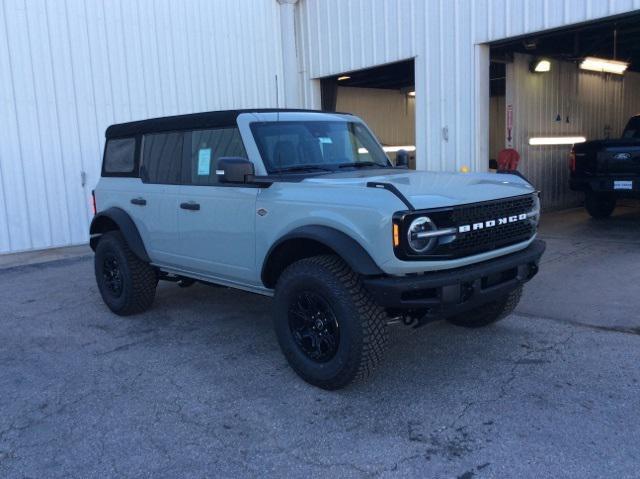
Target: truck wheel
[126, 283]
[329, 328]
[488, 313]
[600, 205]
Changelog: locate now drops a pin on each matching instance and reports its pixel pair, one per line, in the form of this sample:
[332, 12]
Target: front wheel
[600, 205]
[488, 313]
[329, 328]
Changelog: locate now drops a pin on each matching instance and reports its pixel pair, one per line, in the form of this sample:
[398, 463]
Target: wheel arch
[116, 219]
[313, 240]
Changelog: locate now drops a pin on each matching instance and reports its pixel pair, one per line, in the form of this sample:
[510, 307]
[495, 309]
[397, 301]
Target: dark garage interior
[564, 101]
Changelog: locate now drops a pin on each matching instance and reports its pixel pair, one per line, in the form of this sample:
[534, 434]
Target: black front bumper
[456, 290]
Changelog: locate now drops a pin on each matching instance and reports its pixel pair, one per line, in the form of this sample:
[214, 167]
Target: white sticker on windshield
[325, 139]
[204, 161]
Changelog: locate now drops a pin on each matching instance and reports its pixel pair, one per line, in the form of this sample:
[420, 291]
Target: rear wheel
[329, 328]
[600, 205]
[488, 313]
[126, 283]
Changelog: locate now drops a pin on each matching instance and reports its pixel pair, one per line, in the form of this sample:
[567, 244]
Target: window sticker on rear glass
[325, 139]
[204, 161]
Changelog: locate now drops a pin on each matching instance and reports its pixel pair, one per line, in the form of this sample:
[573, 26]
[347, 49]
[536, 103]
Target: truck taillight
[93, 202]
[572, 160]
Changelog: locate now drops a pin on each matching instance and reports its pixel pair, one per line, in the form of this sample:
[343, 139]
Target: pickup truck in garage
[607, 170]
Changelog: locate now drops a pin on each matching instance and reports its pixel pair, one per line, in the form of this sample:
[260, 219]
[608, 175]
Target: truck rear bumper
[460, 289]
[607, 184]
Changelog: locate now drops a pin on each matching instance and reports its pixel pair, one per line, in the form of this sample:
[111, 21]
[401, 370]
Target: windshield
[290, 146]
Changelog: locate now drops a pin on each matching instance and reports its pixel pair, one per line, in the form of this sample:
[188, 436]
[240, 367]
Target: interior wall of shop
[448, 40]
[497, 125]
[69, 70]
[389, 113]
[589, 104]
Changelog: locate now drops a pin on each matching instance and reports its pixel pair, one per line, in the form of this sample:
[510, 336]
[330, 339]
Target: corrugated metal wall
[390, 113]
[70, 68]
[564, 102]
[444, 36]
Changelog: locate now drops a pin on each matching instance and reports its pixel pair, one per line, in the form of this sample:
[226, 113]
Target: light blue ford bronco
[305, 206]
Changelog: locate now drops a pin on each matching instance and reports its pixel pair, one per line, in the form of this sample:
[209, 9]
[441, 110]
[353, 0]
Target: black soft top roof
[210, 119]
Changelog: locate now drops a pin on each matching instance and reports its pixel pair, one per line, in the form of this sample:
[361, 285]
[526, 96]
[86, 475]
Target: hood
[426, 189]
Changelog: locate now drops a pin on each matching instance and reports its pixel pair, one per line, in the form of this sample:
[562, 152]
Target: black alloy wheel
[314, 326]
[126, 283]
[111, 275]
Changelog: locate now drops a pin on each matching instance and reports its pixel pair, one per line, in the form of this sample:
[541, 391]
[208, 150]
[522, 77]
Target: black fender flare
[126, 226]
[341, 243]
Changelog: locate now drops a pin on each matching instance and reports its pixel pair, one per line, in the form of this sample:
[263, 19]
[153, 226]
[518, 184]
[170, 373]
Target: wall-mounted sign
[509, 126]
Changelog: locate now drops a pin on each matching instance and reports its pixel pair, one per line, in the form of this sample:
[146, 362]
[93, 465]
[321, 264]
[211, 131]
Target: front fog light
[418, 235]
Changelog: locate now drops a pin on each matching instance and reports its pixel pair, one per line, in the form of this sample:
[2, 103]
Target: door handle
[138, 201]
[190, 206]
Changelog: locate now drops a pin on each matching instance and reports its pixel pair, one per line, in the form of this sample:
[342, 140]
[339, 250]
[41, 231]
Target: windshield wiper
[302, 168]
[361, 164]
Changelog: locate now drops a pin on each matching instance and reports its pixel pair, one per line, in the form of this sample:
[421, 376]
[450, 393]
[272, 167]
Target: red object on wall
[508, 159]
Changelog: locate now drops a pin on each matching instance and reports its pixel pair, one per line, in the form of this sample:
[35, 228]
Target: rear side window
[162, 158]
[207, 147]
[633, 129]
[119, 156]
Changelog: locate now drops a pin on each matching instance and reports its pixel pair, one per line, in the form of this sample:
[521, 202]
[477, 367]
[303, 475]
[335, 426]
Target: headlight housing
[534, 214]
[418, 237]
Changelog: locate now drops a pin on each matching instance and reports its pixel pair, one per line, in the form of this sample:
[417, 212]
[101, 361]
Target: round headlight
[534, 214]
[418, 242]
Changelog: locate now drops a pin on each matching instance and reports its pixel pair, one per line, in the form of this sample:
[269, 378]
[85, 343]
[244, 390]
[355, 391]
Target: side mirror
[402, 159]
[234, 170]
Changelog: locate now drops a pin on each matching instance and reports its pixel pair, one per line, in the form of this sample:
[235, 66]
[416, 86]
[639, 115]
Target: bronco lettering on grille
[492, 223]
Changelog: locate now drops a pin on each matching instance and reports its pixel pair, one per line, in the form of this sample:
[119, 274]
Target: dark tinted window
[162, 158]
[633, 128]
[207, 146]
[119, 156]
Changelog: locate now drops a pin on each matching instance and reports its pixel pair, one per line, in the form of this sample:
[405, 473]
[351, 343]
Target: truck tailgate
[618, 159]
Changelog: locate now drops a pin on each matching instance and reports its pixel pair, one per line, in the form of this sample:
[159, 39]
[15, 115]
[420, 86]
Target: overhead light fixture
[412, 93]
[389, 149]
[603, 65]
[540, 65]
[344, 77]
[556, 140]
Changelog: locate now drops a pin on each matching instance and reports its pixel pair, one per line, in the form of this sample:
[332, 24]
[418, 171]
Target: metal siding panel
[70, 70]
[15, 215]
[442, 36]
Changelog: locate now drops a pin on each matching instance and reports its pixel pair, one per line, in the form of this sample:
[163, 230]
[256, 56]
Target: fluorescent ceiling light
[412, 93]
[556, 140]
[344, 77]
[390, 149]
[395, 149]
[603, 65]
[541, 66]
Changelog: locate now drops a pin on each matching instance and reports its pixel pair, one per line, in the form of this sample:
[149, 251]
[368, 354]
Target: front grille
[486, 239]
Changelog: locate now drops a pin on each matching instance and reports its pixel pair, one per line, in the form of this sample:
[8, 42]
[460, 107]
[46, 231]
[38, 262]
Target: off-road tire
[599, 205]
[362, 323]
[488, 313]
[138, 279]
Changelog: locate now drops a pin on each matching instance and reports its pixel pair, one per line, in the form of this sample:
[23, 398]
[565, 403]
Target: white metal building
[70, 68]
